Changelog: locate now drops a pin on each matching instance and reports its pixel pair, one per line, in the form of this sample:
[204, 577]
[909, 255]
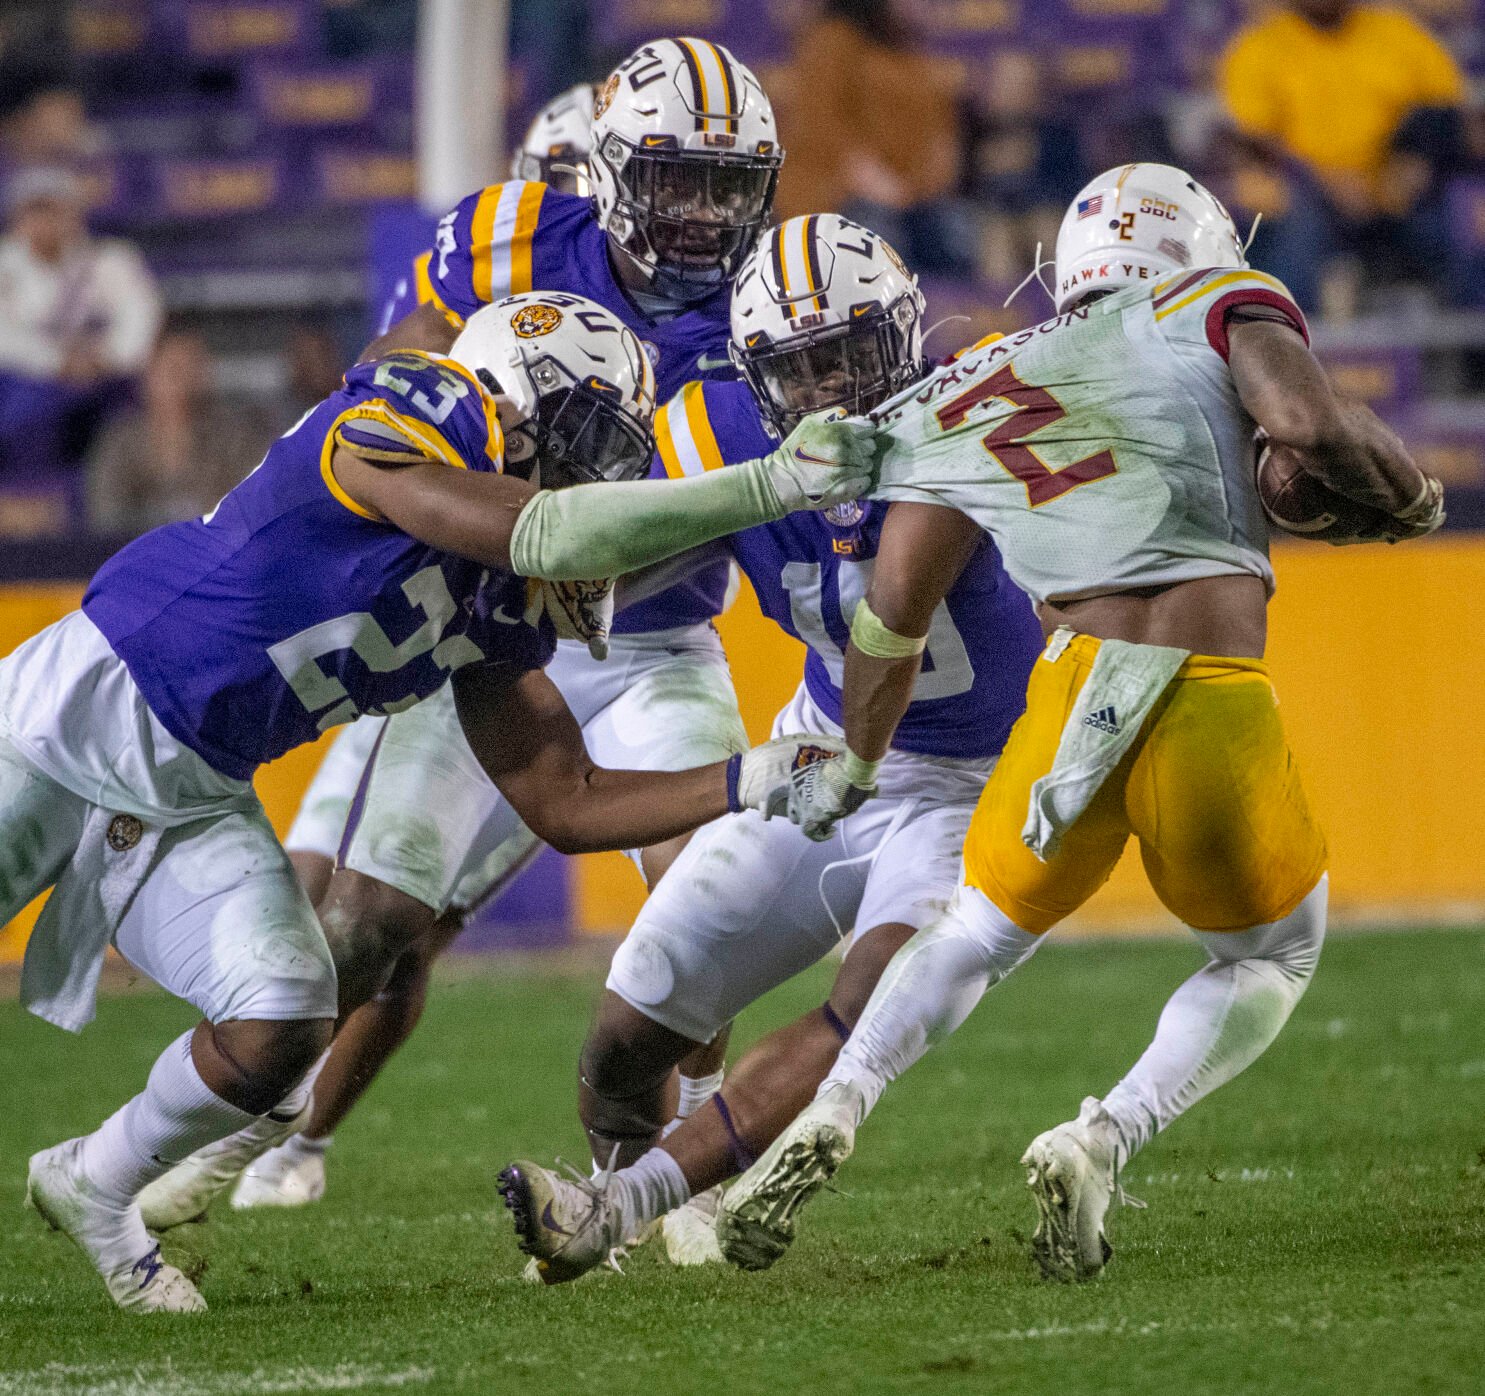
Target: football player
[824, 314]
[377, 551]
[683, 160]
[1110, 453]
[555, 148]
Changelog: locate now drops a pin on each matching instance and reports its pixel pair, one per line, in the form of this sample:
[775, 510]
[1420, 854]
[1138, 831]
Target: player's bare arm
[526, 738]
[922, 551]
[426, 328]
[1342, 442]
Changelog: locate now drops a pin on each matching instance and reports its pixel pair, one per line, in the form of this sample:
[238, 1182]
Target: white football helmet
[1139, 223]
[573, 388]
[825, 314]
[555, 149]
[684, 161]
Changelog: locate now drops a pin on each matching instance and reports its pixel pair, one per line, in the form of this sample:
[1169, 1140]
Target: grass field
[1319, 1226]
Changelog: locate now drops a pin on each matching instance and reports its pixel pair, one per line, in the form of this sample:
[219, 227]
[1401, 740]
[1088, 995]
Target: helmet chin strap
[1035, 274]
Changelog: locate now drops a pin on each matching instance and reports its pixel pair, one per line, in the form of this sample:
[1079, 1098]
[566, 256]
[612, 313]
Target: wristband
[871, 637]
[734, 775]
[859, 772]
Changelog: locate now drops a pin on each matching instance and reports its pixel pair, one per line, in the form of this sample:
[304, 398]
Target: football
[1303, 506]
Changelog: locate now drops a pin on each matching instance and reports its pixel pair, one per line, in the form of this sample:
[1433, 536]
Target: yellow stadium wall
[1379, 665]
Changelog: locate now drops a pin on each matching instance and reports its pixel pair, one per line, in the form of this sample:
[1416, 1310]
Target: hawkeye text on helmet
[1140, 223]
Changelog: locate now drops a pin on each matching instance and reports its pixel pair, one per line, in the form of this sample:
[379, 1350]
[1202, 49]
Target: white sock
[176, 1114]
[649, 1188]
[1220, 1020]
[695, 1092]
[928, 989]
[301, 1146]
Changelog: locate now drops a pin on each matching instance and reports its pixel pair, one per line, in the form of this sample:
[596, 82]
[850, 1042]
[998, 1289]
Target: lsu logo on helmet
[532, 321]
[605, 97]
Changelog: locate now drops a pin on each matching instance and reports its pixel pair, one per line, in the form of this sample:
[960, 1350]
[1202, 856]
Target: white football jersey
[1104, 449]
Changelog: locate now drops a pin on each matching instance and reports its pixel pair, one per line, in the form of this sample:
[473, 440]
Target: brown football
[1302, 506]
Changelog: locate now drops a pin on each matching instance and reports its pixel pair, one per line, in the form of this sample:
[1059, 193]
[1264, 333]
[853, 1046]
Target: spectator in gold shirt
[1345, 114]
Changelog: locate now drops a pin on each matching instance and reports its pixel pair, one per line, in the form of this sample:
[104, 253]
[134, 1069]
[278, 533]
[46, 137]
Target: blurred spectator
[1347, 114]
[871, 131]
[313, 368]
[48, 127]
[1022, 165]
[179, 451]
[78, 315]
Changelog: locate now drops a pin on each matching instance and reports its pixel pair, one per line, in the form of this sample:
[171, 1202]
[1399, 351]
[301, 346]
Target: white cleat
[755, 1224]
[283, 1177]
[184, 1193]
[566, 1225]
[691, 1231]
[112, 1237]
[1072, 1173]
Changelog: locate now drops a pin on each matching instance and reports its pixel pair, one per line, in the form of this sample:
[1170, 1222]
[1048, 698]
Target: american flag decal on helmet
[1089, 206]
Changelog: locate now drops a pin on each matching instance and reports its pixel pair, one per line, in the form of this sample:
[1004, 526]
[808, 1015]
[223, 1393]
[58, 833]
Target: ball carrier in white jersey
[683, 158]
[1110, 453]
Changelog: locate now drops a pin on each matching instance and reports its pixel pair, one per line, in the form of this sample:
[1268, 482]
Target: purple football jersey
[519, 236]
[809, 570]
[290, 608]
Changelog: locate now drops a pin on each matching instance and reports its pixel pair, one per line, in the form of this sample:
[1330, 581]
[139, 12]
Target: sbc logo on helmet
[605, 96]
[531, 321]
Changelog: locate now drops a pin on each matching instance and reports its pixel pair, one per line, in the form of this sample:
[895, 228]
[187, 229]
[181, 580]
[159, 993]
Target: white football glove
[759, 779]
[824, 793]
[827, 459]
[581, 611]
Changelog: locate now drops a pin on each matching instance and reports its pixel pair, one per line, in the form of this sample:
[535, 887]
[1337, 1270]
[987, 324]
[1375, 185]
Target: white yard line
[151, 1378]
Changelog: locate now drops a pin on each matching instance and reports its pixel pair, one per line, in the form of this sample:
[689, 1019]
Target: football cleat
[283, 1177]
[691, 1230]
[112, 1237]
[184, 1193]
[1072, 1171]
[755, 1224]
[566, 1225]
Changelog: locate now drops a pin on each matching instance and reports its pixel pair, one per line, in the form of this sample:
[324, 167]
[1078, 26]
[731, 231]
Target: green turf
[1319, 1226]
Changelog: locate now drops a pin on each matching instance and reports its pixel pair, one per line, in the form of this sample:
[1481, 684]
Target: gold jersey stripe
[694, 398]
[1245, 274]
[481, 244]
[665, 444]
[528, 211]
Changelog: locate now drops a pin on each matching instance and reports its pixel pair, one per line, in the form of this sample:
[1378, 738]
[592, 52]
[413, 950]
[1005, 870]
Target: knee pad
[270, 1059]
[1292, 943]
[625, 1089]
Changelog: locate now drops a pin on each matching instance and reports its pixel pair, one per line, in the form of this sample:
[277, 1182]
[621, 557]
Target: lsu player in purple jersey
[376, 554]
[824, 314]
[682, 159]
